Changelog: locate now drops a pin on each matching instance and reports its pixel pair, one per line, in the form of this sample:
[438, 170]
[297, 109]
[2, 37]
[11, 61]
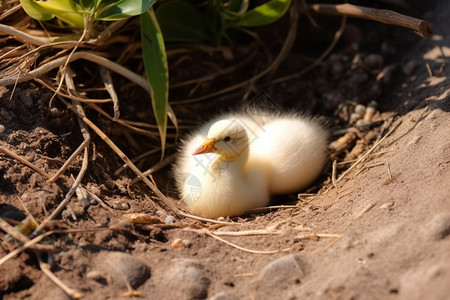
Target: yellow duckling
[236, 161]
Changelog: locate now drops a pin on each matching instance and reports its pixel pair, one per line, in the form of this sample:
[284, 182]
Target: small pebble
[387, 205]
[120, 206]
[184, 279]
[284, 270]
[2, 128]
[120, 268]
[110, 184]
[177, 243]
[410, 67]
[169, 219]
[373, 62]
[360, 109]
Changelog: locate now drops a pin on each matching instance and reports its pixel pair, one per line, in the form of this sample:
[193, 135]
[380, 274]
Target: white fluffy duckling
[235, 162]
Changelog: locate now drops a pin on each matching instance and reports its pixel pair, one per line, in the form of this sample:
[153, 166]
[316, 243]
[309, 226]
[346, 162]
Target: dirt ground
[382, 232]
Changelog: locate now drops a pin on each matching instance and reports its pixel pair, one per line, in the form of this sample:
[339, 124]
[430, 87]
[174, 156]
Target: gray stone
[284, 270]
[121, 270]
[185, 280]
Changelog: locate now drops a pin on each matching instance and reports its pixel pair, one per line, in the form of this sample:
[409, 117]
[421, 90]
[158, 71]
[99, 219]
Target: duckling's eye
[226, 139]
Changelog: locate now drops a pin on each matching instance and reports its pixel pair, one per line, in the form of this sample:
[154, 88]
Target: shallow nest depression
[75, 125]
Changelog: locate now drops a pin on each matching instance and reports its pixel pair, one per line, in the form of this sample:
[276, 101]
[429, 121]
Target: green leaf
[88, 4]
[65, 10]
[35, 11]
[156, 69]
[264, 14]
[237, 6]
[116, 10]
[180, 21]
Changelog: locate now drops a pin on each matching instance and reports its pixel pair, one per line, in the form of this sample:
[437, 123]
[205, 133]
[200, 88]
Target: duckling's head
[227, 138]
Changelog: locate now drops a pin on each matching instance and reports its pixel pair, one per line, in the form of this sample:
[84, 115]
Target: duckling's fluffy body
[246, 157]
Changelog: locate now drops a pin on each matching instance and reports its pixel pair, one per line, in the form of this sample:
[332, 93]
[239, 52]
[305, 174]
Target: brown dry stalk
[71, 97]
[90, 56]
[25, 37]
[124, 123]
[24, 161]
[333, 174]
[163, 163]
[316, 62]
[86, 136]
[287, 45]
[124, 157]
[365, 209]
[45, 268]
[367, 153]
[420, 27]
[243, 248]
[25, 246]
[19, 236]
[105, 74]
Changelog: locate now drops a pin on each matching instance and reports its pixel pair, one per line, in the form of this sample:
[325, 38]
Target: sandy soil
[382, 233]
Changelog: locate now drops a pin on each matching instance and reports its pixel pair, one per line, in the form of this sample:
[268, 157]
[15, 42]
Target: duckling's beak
[206, 147]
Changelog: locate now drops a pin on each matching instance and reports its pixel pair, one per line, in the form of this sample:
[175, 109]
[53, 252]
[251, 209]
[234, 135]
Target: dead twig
[63, 68]
[25, 246]
[163, 163]
[261, 209]
[333, 174]
[24, 161]
[337, 238]
[108, 82]
[71, 97]
[243, 248]
[83, 128]
[45, 268]
[90, 56]
[389, 172]
[366, 209]
[126, 124]
[420, 27]
[316, 62]
[124, 157]
[87, 138]
[367, 167]
[23, 239]
[367, 153]
[24, 37]
[287, 45]
[135, 159]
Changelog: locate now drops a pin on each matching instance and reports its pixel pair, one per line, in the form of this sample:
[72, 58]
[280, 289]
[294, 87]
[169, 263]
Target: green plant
[82, 13]
[181, 21]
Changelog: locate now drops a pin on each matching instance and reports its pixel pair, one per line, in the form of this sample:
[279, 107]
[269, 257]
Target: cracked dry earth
[382, 233]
